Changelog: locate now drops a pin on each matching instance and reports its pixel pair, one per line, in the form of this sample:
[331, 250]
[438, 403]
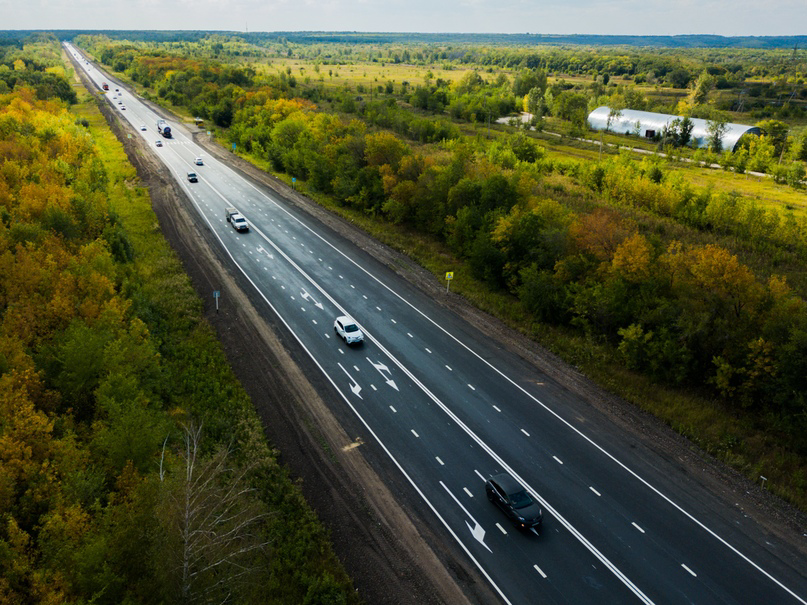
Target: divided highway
[622, 524]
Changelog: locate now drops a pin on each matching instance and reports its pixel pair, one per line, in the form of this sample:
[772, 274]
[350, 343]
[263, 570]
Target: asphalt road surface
[449, 408]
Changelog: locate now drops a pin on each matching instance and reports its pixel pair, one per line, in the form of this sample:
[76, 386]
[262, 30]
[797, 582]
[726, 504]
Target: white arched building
[648, 124]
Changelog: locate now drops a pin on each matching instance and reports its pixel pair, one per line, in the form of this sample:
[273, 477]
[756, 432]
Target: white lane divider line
[559, 461]
[540, 571]
[497, 409]
[467, 491]
[637, 527]
[694, 575]
[415, 433]
[595, 491]
[501, 529]
[440, 462]
[470, 386]
[525, 432]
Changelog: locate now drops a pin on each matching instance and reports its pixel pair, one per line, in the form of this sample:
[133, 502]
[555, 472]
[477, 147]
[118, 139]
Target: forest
[683, 279]
[133, 468]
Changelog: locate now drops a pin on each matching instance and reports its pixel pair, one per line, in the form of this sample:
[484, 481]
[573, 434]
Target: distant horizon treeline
[417, 38]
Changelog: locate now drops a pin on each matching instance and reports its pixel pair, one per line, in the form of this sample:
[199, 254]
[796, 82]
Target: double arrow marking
[306, 296]
[385, 372]
[266, 252]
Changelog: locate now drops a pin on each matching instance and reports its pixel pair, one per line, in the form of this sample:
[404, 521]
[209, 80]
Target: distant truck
[238, 222]
[164, 129]
[105, 86]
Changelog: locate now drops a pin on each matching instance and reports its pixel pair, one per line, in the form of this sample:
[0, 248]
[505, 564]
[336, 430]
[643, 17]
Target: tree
[212, 523]
[614, 113]
[534, 102]
[679, 78]
[703, 86]
[716, 127]
[776, 131]
[685, 131]
[529, 79]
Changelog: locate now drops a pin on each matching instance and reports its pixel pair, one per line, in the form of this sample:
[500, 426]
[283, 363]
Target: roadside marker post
[449, 277]
[216, 295]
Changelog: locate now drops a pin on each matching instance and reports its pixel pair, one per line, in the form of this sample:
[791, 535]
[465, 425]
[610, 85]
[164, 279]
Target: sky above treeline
[626, 17]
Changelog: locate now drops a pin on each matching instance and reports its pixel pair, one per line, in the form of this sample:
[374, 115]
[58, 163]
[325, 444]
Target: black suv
[508, 494]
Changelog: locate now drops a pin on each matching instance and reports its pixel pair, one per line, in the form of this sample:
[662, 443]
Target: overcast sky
[647, 17]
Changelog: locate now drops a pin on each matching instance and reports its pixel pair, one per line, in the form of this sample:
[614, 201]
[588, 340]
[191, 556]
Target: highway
[449, 408]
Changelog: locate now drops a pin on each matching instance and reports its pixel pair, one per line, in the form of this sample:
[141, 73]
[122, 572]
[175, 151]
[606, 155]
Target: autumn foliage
[103, 360]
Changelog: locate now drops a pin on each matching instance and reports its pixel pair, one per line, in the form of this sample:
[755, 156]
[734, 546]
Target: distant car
[143, 127]
[348, 330]
[514, 501]
[158, 143]
[199, 162]
[192, 177]
[123, 107]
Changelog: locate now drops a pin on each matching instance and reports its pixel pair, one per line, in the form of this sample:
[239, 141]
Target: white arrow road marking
[266, 252]
[477, 531]
[305, 295]
[381, 369]
[354, 386]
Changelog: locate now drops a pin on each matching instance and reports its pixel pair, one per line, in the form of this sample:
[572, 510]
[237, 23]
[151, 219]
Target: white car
[199, 162]
[348, 330]
[143, 127]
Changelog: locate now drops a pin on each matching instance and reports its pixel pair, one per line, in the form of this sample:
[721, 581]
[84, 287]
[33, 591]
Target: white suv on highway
[348, 330]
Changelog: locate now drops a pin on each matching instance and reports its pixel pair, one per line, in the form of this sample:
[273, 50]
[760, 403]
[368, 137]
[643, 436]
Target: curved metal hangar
[648, 124]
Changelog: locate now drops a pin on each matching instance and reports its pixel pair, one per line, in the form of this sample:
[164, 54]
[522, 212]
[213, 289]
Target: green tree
[716, 128]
